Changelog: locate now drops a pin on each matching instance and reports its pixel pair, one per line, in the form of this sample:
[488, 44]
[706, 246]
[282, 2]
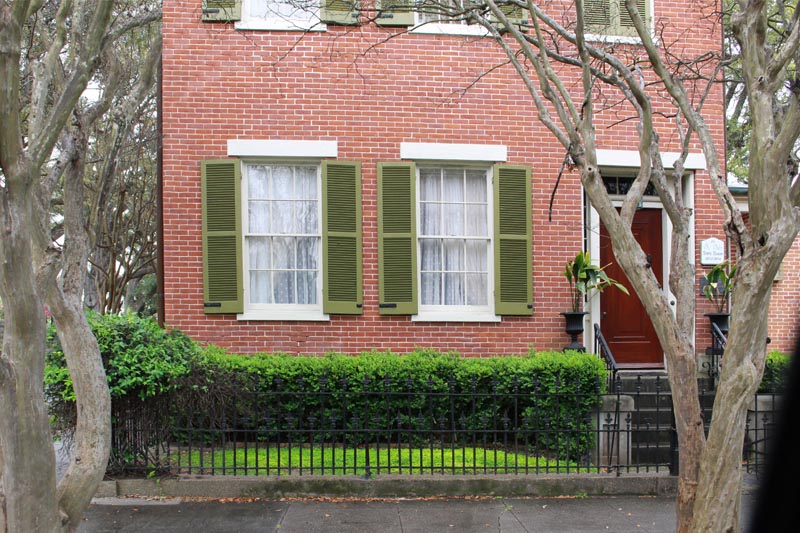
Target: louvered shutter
[397, 236]
[597, 15]
[222, 236]
[512, 234]
[222, 10]
[339, 11]
[341, 237]
[625, 20]
[515, 13]
[395, 12]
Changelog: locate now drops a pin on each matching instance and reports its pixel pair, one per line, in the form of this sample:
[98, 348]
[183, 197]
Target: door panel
[625, 324]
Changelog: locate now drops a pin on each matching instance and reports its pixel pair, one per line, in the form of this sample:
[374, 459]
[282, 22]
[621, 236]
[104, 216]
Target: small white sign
[712, 252]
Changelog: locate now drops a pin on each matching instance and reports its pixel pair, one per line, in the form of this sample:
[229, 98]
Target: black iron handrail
[601, 348]
[718, 343]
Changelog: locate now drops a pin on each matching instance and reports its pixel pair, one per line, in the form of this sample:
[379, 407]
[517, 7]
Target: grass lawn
[243, 460]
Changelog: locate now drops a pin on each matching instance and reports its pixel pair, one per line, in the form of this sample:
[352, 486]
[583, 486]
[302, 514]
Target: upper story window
[280, 14]
[610, 18]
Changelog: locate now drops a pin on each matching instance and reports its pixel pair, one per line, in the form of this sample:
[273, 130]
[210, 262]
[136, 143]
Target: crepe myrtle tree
[546, 42]
[50, 51]
[553, 45]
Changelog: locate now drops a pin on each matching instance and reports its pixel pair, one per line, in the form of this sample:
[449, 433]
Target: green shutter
[625, 20]
[341, 237]
[395, 12]
[596, 15]
[513, 293]
[397, 239]
[222, 10]
[340, 11]
[222, 236]
[515, 13]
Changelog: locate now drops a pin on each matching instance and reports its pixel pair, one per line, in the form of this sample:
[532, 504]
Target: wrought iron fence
[627, 428]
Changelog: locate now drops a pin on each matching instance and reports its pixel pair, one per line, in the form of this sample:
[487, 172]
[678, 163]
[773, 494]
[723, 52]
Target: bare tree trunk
[30, 500]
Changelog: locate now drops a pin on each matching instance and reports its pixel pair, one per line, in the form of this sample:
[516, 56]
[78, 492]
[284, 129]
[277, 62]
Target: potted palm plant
[718, 287]
[583, 277]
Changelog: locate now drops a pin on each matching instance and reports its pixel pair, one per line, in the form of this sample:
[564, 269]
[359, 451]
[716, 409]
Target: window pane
[429, 219]
[477, 289]
[476, 186]
[477, 253]
[453, 185]
[454, 289]
[453, 255]
[306, 183]
[284, 219]
[260, 288]
[259, 252]
[306, 287]
[282, 183]
[431, 254]
[453, 219]
[431, 289]
[477, 220]
[429, 185]
[283, 253]
[283, 291]
[258, 217]
[258, 182]
[307, 253]
[307, 218]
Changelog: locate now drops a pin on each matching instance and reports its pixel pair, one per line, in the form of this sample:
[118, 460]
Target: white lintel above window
[630, 158]
[282, 148]
[492, 153]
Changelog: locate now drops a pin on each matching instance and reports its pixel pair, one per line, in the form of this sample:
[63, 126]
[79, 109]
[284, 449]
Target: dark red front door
[623, 320]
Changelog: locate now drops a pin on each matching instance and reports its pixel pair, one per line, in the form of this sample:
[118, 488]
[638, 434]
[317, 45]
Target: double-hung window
[281, 239]
[454, 239]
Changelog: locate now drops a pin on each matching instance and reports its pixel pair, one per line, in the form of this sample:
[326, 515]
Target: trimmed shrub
[143, 364]
[545, 399]
[776, 373]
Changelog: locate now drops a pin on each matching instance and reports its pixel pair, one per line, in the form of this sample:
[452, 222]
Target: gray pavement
[462, 515]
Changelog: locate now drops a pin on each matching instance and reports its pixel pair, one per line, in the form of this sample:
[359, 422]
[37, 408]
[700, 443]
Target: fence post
[613, 448]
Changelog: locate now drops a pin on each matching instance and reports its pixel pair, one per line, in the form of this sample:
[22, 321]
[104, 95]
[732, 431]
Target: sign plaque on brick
[712, 252]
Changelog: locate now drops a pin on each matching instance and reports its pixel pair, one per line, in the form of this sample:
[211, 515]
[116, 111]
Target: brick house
[343, 182]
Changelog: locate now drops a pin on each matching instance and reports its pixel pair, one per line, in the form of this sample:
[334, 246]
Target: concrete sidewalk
[462, 515]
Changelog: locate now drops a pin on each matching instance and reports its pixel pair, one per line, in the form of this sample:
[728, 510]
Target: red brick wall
[222, 84]
[784, 308]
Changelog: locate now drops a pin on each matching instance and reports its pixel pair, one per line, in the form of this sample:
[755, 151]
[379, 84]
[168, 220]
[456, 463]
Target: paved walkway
[463, 515]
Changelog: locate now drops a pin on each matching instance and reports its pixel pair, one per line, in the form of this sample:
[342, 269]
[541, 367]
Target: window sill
[434, 28]
[456, 315]
[280, 25]
[283, 314]
[613, 39]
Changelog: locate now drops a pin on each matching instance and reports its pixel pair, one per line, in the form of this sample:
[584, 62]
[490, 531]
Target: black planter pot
[574, 327]
[721, 320]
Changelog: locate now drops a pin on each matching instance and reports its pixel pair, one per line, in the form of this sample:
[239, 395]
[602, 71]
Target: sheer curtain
[283, 235]
[286, 10]
[454, 238]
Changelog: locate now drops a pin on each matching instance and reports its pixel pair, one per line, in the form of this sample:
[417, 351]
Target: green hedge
[546, 399]
[161, 381]
[776, 373]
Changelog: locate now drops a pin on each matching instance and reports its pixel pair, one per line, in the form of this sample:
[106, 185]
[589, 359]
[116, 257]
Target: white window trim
[252, 23]
[282, 148]
[444, 28]
[460, 313]
[625, 39]
[462, 153]
[282, 312]
[631, 159]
